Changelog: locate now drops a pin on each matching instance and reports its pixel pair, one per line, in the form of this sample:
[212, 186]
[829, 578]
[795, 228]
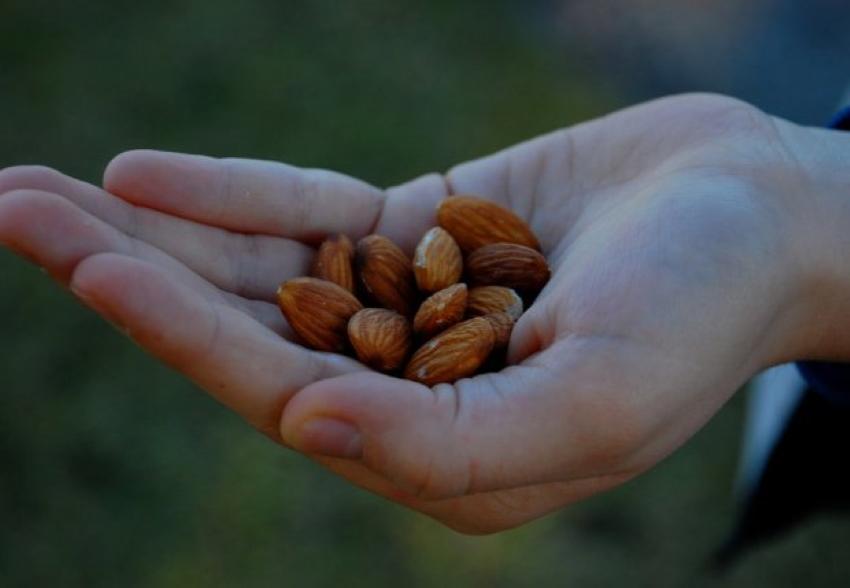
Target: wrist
[818, 208]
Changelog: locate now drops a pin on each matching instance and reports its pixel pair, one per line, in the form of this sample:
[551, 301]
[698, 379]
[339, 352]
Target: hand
[673, 236]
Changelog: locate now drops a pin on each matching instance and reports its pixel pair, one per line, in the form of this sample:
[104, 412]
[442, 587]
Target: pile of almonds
[459, 330]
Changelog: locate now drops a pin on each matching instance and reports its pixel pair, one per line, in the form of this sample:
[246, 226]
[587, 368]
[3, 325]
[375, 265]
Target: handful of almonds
[458, 329]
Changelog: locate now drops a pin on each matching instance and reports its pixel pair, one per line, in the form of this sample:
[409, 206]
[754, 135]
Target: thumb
[519, 427]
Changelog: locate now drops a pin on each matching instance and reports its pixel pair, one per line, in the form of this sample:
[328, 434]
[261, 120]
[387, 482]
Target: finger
[234, 358]
[588, 165]
[516, 177]
[249, 265]
[527, 425]
[57, 235]
[247, 195]
[479, 514]
[411, 209]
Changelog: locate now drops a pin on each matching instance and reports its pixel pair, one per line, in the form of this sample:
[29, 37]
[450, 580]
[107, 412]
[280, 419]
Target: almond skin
[381, 338]
[503, 326]
[440, 311]
[333, 262]
[453, 354]
[386, 273]
[475, 222]
[318, 311]
[437, 263]
[484, 300]
[512, 266]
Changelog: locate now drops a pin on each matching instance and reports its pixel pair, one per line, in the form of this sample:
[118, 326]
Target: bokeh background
[115, 471]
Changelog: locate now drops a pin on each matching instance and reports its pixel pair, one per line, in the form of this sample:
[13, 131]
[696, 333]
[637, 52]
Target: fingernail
[329, 437]
[80, 294]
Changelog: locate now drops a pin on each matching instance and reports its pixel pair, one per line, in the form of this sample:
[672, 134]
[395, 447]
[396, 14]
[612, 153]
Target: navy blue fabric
[831, 380]
[841, 120]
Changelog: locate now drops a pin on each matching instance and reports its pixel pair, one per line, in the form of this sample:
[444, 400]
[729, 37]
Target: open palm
[666, 249]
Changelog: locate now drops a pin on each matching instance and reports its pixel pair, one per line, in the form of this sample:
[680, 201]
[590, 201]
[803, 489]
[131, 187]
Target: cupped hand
[673, 282]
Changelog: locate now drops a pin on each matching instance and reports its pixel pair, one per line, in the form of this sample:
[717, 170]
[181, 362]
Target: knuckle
[164, 340]
[240, 252]
[443, 470]
[726, 116]
[431, 481]
[227, 184]
[715, 119]
[742, 118]
[306, 192]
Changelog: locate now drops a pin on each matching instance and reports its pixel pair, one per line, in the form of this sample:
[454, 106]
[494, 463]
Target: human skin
[694, 241]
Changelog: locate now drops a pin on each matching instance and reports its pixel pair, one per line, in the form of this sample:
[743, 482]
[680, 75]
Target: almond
[386, 273]
[333, 262]
[437, 263]
[318, 311]
[475, 222]
[440, 311]
[487, 299]
[509, 265]
[380, 337]
[453, 354]
[503, 326]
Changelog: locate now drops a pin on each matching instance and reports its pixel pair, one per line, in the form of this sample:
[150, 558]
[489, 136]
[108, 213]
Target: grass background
[116, 471]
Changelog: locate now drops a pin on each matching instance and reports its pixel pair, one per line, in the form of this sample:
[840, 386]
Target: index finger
[245, 195]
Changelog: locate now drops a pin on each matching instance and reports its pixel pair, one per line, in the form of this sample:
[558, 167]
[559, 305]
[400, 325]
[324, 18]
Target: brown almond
[386, 273]
[381, 338]
[484, 300]
[437, 263]
[440, 311]
[333, 262]
[318, 311]
[475, 222]
[503, 326]
[509, 265]
[453, 354]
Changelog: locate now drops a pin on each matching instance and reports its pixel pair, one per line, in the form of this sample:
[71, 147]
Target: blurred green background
[116, 471]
